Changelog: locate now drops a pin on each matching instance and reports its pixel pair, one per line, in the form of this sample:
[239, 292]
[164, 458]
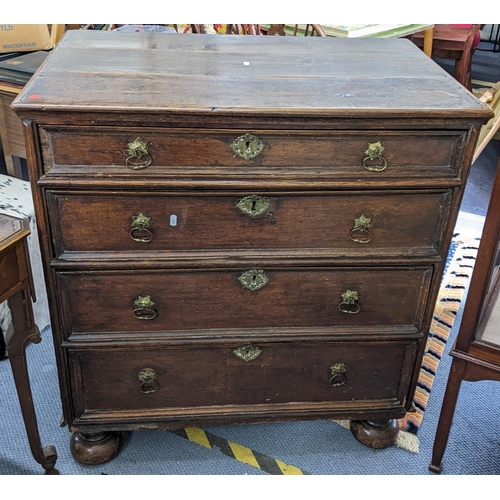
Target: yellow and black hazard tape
[239, 452]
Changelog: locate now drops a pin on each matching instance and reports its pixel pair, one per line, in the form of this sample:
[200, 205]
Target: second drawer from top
[362, 224]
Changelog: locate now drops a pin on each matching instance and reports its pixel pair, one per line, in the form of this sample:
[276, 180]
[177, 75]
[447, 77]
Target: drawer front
[186, 379]
[369, 155]
[10, 273]
[389, 224]
[227, 301]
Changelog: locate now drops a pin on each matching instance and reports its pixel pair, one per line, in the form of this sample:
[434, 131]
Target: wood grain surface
[208, 73]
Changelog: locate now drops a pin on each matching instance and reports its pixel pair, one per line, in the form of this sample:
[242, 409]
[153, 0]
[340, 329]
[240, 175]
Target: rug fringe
[451, 296]
[346, 424]
[408, 441]
[405, 440]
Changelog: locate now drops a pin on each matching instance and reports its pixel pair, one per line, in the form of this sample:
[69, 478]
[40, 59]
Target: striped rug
[461, 260]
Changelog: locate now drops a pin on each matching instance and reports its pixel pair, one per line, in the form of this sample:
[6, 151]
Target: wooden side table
[16, 286]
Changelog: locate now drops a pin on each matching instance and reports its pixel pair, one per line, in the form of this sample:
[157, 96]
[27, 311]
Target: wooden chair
[256, 29]
[310, 30]
[454, 42]
[243, 29]
[229, 29]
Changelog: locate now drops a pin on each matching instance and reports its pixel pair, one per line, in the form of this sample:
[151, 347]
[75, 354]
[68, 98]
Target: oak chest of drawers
[242, 228]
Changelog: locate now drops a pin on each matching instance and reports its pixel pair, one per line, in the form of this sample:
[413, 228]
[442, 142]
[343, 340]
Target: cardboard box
[24, 37]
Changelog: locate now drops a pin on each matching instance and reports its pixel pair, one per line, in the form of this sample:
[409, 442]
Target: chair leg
[3, 347]
[463, 72]
[447, 410]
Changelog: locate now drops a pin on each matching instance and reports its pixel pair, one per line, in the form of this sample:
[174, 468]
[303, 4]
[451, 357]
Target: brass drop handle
[254, 279]
[374, 161]
[138, 155]
[144, 308]
[359, 233]
[247, 352]
[338, 374]
[141, 228]
[148, 379]
[247, 146]
[349, 303]
[253, 205]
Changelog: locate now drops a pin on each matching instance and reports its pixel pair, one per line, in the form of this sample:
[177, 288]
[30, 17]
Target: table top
[103, 71]
[12, 229]
[369, 30]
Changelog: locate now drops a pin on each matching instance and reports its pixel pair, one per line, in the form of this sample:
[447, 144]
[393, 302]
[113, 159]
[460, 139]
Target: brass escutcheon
[349, 304]
[247, 146]
[253, 205]
[247, 352]
[144, 307]
[254, 279]
[140, 228]
[139, 156]
[374, 153]
[338, 376]
[147, 378]
[359, 233]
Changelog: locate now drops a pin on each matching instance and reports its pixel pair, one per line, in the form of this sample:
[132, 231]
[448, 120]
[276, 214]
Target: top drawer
[358, 155]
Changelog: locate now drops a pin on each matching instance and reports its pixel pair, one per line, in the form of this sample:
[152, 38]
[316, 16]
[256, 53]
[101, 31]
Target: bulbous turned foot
[94, 449]
[377, 434]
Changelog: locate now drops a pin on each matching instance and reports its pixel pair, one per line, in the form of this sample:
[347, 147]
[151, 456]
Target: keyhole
[254, 278]
[247, 144]
[254, 205]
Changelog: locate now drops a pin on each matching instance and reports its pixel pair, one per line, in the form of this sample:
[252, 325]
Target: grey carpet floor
[318, 447]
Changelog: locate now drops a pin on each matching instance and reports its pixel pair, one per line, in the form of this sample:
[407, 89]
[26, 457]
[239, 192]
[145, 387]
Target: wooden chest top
[95, 71]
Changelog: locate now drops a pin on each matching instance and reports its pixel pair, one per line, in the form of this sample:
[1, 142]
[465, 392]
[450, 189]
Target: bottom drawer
[176, 380]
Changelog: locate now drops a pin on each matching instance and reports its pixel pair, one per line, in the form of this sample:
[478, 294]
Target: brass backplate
[137, 148]
[375, 150]
[247, 146]
[147, 375]
[141, 221]
[138, 155]
[253, 205]
[247, 352]
[254, 279]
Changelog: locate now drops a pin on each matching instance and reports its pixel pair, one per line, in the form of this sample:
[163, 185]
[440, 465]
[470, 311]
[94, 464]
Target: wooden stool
[16, 286]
